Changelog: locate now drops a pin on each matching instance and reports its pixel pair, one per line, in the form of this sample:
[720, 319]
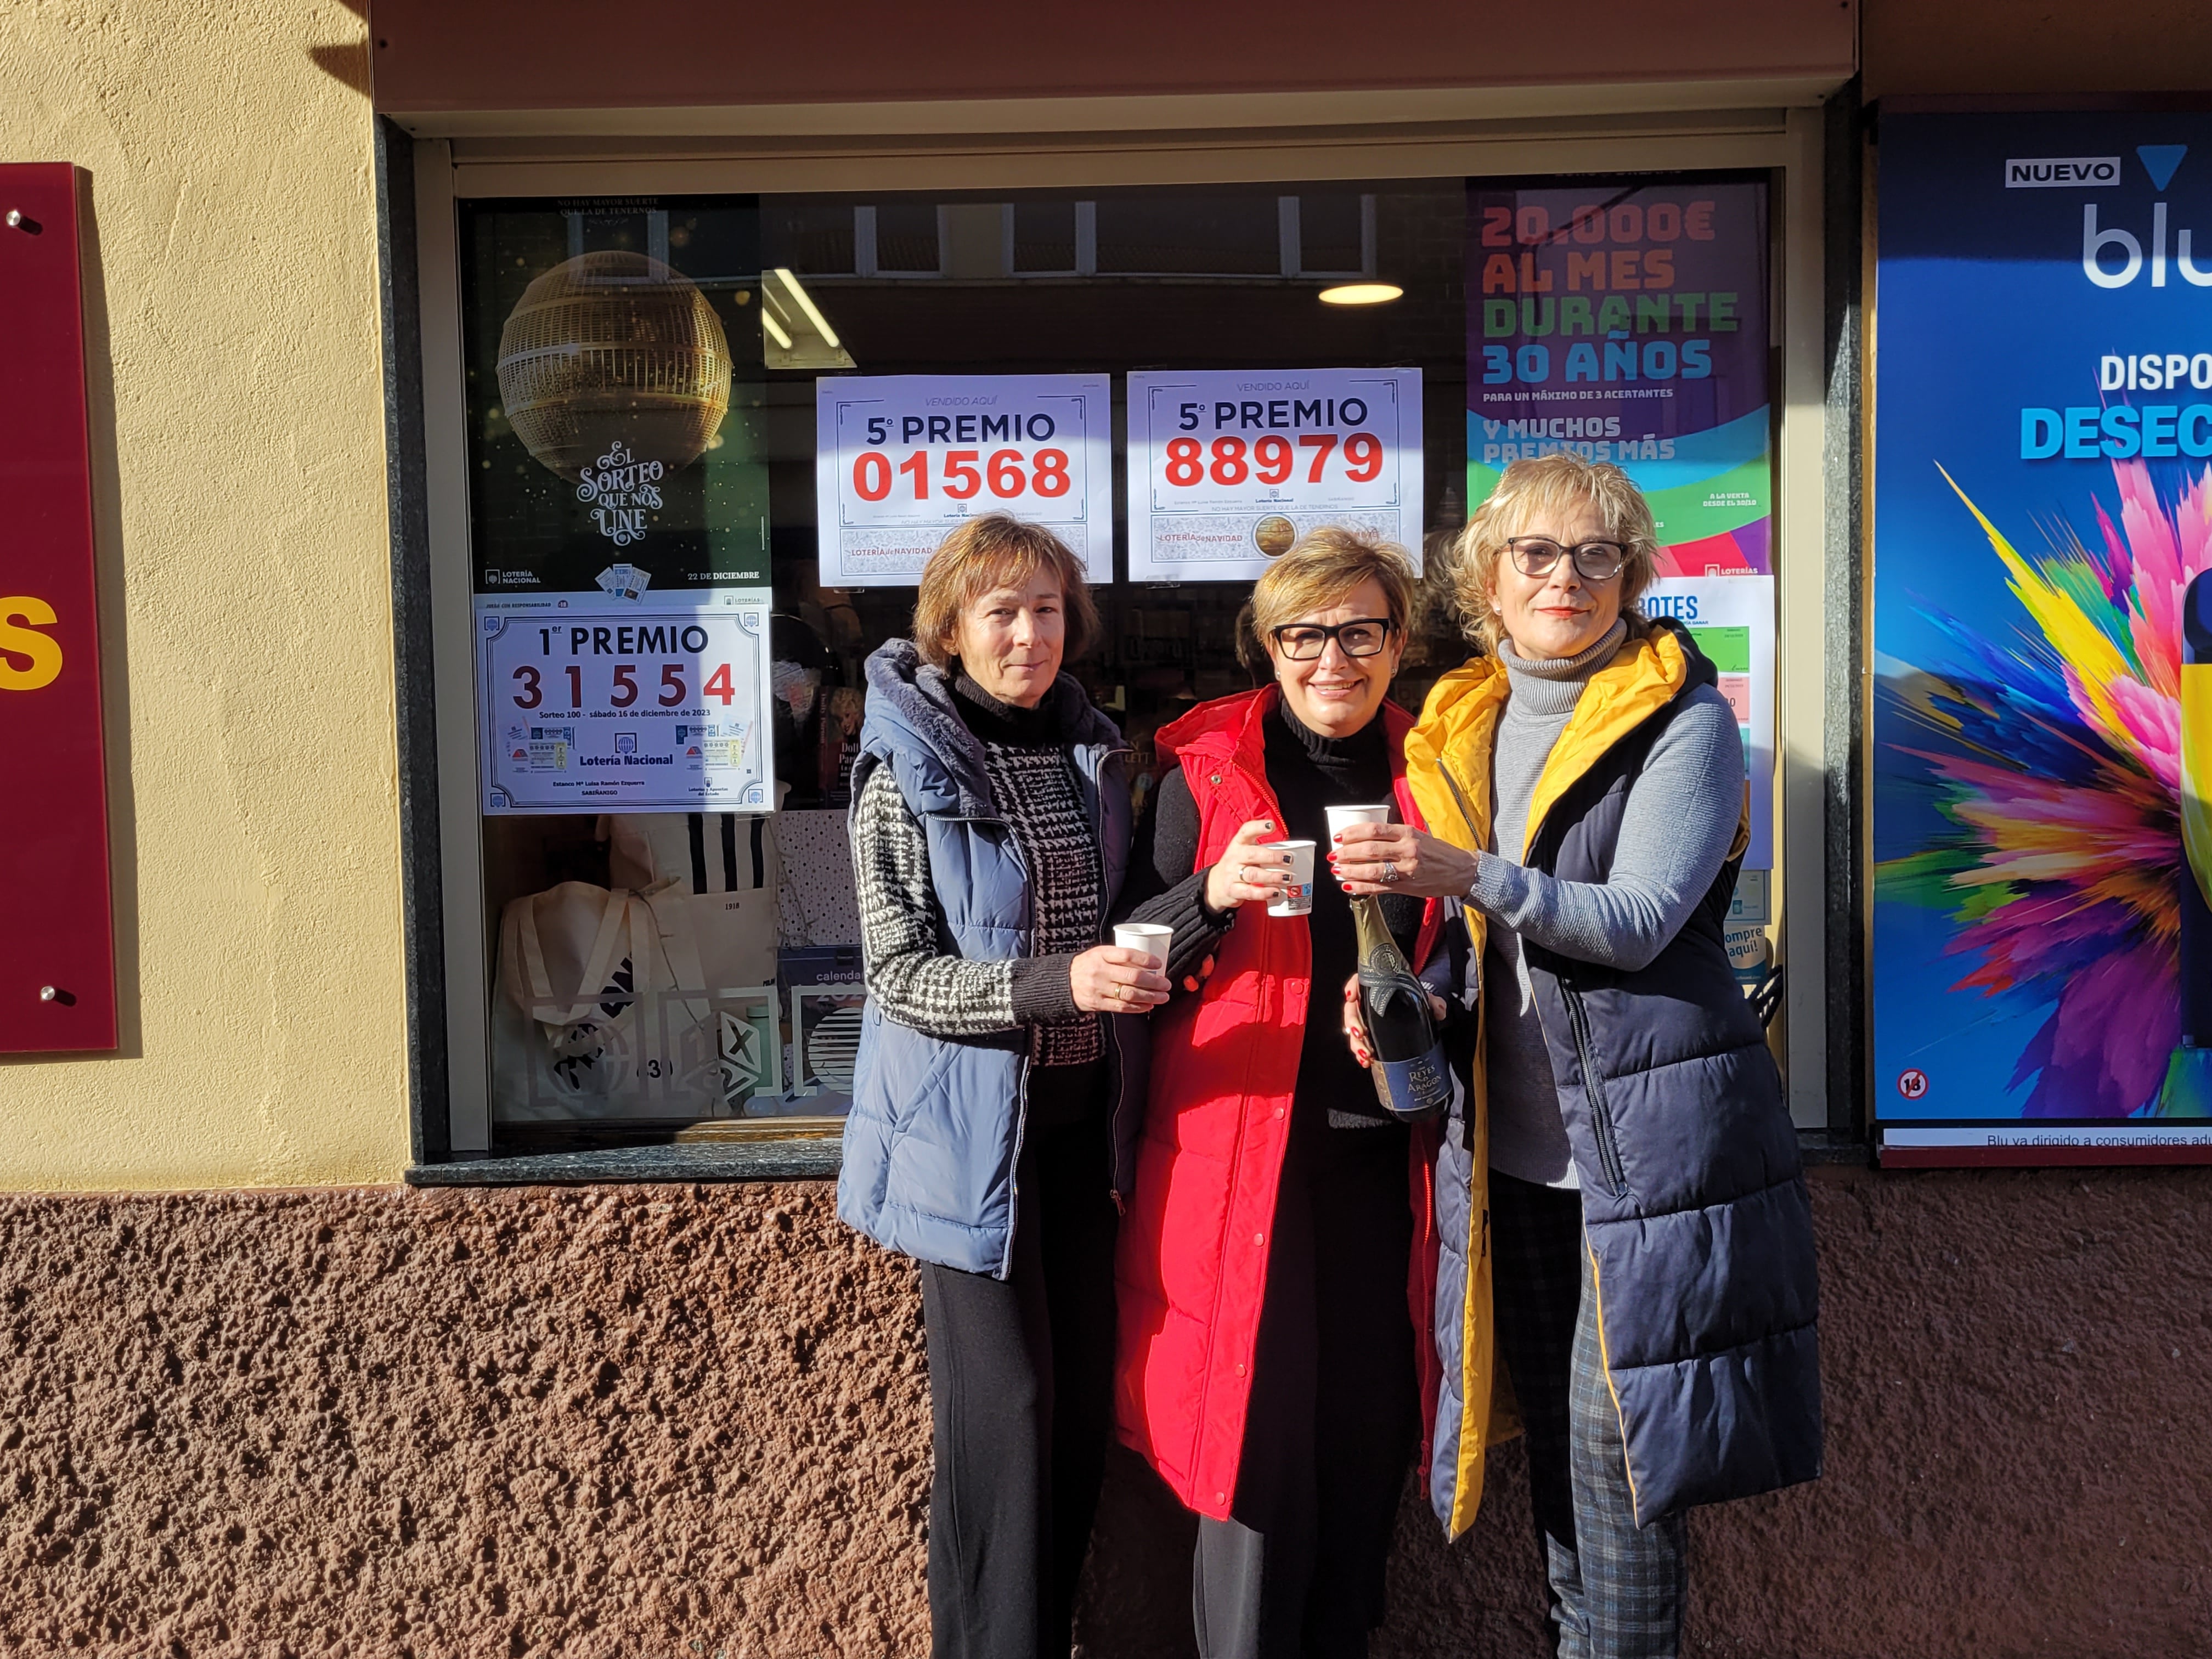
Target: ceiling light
[774, 329]
[1361, 294]
[806, 305]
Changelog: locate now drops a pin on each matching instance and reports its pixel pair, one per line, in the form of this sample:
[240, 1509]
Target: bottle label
[1413, 1088]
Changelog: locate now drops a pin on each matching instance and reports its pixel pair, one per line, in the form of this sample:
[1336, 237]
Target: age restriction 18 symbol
[1912, 1083]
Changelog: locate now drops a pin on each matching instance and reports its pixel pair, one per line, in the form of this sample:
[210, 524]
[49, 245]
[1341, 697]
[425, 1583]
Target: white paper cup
[1297, 898]
[1150, 937]
[1339, 816]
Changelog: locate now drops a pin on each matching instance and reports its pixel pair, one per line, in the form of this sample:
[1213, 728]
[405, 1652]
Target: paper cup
[1150, 937]
[1297, 898]
[1339, 816]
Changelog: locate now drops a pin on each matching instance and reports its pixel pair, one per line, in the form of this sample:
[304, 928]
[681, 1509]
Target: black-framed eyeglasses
[1594, 562]
[1363, 636]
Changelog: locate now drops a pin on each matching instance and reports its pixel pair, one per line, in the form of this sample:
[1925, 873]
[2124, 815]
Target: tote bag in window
[605, 1009]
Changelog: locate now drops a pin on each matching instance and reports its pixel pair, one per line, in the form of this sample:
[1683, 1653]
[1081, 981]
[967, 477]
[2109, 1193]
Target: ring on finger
[1390, 870]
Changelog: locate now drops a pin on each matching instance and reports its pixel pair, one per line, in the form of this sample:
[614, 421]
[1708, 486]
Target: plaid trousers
[1616, 1590]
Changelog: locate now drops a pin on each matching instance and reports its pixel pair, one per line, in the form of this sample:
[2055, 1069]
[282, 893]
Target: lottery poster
[624, 702]
[618, 506]
[1228, 468]
[2041, 760]
[900, 460]
[1626, 319]
[1732, 620]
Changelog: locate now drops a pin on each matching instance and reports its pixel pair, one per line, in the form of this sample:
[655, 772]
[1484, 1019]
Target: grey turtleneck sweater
[1675, 830]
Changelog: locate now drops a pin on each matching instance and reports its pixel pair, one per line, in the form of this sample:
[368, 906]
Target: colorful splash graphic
[2041, 944]
[2055, 756]
[1625, 320]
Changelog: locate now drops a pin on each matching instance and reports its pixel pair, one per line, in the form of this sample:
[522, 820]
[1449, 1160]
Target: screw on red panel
[19, 220]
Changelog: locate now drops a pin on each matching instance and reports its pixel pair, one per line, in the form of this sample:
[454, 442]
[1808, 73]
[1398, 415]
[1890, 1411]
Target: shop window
[669, 681]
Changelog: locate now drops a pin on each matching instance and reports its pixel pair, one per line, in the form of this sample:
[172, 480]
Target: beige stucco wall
[238, 445]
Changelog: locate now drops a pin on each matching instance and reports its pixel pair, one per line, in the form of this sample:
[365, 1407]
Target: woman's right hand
[1355, 1028]
[1246, 872]
[1109, 980]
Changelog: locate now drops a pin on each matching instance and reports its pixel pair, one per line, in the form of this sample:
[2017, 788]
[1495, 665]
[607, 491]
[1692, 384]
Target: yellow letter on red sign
[44, 651]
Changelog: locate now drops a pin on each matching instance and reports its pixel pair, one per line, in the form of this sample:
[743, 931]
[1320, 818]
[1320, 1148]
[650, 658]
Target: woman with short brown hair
[990, 836]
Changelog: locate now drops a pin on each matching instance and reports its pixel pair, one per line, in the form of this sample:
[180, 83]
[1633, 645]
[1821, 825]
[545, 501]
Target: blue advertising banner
[2043, 639]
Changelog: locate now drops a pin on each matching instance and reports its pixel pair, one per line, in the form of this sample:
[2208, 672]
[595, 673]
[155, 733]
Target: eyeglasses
[1363, 637]
[1594, 562]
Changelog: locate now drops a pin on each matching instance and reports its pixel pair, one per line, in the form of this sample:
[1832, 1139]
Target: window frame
[449, 976]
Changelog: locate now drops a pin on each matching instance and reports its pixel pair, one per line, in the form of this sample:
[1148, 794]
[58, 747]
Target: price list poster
[1626, 319]
[2042, 742]
[618, 508]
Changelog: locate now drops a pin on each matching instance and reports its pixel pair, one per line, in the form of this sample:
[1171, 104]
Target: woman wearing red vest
[1268, 1363]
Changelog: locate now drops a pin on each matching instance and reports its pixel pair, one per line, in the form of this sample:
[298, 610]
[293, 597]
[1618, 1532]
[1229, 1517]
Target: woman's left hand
[1392, 858]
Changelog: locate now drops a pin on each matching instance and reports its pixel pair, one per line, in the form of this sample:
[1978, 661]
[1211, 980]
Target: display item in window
[614, 362]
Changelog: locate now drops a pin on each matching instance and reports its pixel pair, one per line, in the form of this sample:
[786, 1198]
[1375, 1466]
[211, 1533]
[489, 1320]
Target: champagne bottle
[1411, 1077]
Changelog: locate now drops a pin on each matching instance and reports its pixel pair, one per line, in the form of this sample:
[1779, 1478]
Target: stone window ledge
[812, 1159]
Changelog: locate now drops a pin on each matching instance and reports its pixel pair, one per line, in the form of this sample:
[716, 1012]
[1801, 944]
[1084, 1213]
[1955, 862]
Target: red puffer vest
[1191, 1270]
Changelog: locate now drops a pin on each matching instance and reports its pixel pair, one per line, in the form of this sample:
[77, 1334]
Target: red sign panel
[57, 934]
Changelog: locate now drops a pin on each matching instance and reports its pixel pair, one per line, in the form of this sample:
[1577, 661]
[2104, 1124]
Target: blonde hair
[986, 554]
[1549, 482]
[1322, 570]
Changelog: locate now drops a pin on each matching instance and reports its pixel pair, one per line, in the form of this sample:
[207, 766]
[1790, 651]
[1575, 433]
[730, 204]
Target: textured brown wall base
[689, 1421]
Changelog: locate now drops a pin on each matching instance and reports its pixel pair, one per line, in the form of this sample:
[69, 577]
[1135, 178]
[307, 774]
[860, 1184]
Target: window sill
[1820, 1148]
[797, 1159]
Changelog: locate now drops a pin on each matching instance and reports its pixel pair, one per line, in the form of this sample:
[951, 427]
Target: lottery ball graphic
[613, 348]
[1274, 535]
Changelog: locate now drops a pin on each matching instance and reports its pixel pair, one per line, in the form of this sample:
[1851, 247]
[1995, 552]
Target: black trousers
[1021, 1395]
[1297, 1571]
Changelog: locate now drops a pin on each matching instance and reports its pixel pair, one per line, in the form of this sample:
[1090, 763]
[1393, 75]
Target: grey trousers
[1616, 1590]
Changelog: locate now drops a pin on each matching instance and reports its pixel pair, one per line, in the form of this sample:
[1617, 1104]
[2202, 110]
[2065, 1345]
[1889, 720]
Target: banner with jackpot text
[2042, 742]
[1626, 319]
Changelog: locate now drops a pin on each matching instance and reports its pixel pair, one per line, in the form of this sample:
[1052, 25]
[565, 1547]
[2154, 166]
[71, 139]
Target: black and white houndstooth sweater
[1033, 783]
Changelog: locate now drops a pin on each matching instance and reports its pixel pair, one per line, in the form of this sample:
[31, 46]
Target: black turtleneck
[1308, 773]
[1005, 722]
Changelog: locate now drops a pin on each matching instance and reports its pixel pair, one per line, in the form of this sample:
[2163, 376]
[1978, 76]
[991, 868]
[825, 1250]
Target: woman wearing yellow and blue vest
[1629, 1234]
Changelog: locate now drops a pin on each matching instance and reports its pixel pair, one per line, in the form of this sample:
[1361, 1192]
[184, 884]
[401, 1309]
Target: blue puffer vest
[1694, 1204]
[1698, 1223]
[936, 1125]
